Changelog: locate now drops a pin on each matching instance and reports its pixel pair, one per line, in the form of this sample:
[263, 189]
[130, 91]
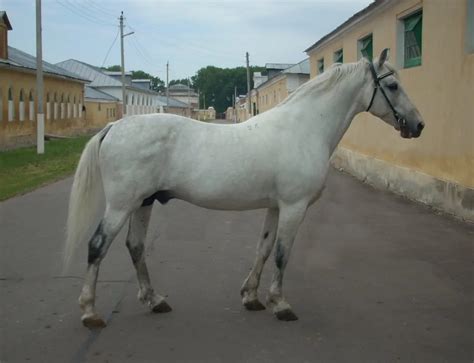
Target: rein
[401, 121]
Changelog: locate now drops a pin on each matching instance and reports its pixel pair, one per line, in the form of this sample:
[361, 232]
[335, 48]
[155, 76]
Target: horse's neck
[327, 115]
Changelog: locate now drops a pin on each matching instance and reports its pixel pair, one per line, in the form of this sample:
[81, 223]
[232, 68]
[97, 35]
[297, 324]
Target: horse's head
[389, 101]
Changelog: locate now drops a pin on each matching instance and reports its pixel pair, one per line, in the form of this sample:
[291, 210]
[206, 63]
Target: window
[48, 107]
[338, 56]
[470, 27]
[11, 106]
[98, 106]
[320, 65]
[412, 39]
[31, 106]
[22, 105]
[365, 47]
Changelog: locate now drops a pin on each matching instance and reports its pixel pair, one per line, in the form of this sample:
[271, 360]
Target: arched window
[62, 108]
[48, 106]
[55, 106]
[68, 107]
[31, 106]
[74, 108]
[11, 105]
[22, 105]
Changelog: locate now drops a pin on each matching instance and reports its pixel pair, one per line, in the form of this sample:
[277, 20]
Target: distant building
[63, 95]
[185, 94]
[139, 99]
[278, 86]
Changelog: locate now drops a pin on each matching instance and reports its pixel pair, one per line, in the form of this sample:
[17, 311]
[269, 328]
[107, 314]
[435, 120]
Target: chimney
[5, 26]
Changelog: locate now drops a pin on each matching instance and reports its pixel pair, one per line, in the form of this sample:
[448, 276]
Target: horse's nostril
[420, 126]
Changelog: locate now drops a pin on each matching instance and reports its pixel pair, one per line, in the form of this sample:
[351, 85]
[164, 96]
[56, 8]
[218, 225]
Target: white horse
[277, 160]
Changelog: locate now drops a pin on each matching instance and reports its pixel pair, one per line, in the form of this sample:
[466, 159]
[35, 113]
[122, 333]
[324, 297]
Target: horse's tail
[86, 197]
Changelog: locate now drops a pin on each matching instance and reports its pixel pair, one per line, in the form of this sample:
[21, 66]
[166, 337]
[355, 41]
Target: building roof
[116, 73]
[97, 77]
[349, 22]
[95, 94]
[21, 60]
[299, 68]
[172, 102]
[278, 65]
[4, 17]
[179, 87]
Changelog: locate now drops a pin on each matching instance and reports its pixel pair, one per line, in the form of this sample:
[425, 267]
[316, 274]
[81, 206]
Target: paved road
[373, 278]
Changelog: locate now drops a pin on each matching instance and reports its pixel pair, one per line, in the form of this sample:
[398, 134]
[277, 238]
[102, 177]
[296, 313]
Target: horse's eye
[392, 86]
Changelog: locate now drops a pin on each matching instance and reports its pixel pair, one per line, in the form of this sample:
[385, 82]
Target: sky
[190, 34]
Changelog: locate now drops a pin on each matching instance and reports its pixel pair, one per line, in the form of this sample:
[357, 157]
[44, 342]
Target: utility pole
[248, 84]
[235, 104]
[167, 85]
[189, 101]
[39, 83]
[122, 55]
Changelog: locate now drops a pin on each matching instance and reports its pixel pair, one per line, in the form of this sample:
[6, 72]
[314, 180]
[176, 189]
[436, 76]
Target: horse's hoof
[93, 322]
[286, 315]
[162, 307]
[254, 305]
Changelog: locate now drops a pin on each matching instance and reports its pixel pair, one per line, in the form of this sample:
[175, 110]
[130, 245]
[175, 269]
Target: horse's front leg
[290, 218]
[264, 248]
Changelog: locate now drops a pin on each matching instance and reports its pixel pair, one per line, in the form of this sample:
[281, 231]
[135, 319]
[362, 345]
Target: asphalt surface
[372, 277]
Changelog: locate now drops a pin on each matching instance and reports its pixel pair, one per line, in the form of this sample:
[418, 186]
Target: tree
[115, 68]
[216, 85]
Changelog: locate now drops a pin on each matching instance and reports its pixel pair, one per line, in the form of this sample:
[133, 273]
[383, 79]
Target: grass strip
[23, 170]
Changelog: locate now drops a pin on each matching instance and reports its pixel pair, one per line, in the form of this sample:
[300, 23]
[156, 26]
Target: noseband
[400, 120]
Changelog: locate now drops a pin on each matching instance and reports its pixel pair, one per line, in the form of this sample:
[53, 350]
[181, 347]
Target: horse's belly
[222, 199]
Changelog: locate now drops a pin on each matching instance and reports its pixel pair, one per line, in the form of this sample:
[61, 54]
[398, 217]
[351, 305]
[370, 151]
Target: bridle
[400, 120]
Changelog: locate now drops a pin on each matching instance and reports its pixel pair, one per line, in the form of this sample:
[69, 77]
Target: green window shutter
[367, 47]
[320, 65]
[413, 39]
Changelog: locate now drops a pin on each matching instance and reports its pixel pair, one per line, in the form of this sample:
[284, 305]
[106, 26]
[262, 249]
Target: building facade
[431, 43]
[63, 96]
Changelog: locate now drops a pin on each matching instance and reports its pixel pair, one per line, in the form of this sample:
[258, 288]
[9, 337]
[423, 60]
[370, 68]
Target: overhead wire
[82, 14]
[110, 48]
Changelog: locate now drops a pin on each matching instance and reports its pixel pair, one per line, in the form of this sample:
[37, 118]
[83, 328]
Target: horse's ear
[383, 57]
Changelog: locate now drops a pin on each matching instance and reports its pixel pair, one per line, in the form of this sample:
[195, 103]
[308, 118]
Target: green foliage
[216, 85]
[115, 68]
[156, 83]
[23, 170]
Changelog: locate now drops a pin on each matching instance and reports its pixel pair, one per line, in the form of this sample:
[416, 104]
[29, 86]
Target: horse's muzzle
[408, 132]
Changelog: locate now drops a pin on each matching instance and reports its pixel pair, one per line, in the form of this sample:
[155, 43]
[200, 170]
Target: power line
[84, 10]
[115, 39]
[97, 7]
[83, 15]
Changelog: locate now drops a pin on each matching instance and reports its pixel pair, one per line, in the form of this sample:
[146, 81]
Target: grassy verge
[22, 170]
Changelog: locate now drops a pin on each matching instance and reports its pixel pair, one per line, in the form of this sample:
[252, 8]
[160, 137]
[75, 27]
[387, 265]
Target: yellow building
[100, 108]
[278, 86]
[63, 96]
[431, 42]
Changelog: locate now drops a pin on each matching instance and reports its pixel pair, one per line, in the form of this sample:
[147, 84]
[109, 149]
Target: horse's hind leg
[136, 245]
[98, 246]
[264, 248]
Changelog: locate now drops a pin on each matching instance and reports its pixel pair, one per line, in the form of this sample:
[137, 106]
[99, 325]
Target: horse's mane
[331, 78]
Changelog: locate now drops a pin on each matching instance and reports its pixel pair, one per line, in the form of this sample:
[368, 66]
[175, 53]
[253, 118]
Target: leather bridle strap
[401, 121]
